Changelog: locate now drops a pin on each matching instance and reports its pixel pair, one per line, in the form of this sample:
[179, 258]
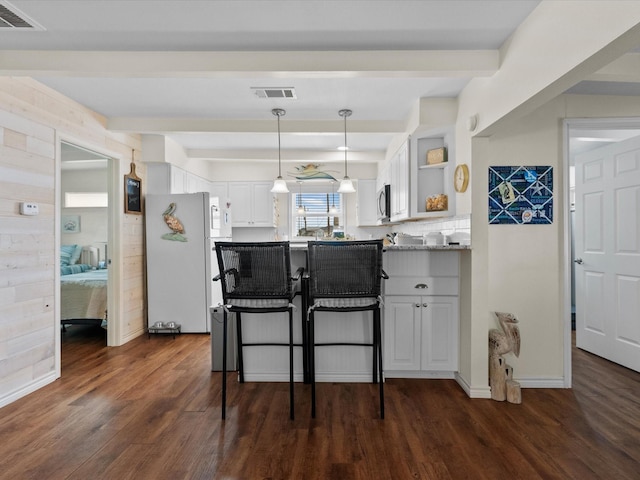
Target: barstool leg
[224, 364]
[378, 327]
[291, 404]
[312, 364]
[240, 356]
[374, 368]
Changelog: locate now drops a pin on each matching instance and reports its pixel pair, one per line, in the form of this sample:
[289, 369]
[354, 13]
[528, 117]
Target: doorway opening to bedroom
[84, 225]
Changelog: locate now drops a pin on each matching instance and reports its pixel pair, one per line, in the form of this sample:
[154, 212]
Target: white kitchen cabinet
[366, 212]
[421, 314]
[399, 170]
[163, 178]
[421, 333]
[219, 190]
[252, 204]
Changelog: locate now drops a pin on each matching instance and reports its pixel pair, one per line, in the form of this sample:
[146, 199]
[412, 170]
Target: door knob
[578, 261]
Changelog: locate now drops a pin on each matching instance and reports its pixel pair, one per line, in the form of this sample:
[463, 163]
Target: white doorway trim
[114, 238]
[569, 125]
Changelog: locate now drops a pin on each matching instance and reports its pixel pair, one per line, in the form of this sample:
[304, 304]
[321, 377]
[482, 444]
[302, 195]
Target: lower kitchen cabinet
[421, 331]
[420, 334]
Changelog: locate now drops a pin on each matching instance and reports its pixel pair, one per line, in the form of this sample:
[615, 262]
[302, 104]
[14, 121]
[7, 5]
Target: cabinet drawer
[412, 286]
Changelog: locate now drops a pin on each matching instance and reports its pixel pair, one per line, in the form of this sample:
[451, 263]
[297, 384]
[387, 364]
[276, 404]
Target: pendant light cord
[279, 160]
[345, 145]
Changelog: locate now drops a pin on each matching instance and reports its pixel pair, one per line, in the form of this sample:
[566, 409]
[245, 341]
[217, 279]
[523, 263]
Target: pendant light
[333, 208]
[279, 185]
[301, 208]
[346, 185]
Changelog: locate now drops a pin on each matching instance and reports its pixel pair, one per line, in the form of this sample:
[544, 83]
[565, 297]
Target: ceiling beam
[203, 125]
[624, 69]
[295, 64]
[291, 155]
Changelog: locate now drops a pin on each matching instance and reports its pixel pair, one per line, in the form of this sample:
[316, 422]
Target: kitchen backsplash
[447, 226]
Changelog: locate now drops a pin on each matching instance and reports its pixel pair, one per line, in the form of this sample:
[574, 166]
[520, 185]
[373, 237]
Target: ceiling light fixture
[279, 185]
[301, 208]
[346, 185]
[333, 208]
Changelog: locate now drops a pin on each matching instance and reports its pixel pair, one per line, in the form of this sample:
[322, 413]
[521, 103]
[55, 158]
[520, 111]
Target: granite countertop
[303, 246]
[427, 247]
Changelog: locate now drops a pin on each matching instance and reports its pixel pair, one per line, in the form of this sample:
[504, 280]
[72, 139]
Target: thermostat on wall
[27, 208]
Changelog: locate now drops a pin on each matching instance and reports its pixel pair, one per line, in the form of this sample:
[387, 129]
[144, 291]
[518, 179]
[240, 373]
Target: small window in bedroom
[85, 199]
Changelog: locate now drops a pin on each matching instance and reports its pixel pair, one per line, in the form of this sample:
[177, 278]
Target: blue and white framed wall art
[521, 195]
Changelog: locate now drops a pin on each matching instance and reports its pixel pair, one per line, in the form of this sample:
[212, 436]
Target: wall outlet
[28, 208]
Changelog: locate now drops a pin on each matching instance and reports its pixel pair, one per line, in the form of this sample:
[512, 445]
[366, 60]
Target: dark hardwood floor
[151, 410]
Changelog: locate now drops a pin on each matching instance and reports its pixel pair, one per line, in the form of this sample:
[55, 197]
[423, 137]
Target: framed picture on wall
[70, 223]
[132, 192]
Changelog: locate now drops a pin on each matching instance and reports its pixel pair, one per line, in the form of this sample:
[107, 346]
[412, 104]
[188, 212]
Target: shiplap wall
[31, 117]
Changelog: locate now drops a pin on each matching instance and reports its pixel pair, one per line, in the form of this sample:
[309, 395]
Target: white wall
[32, 120]
[521, 268]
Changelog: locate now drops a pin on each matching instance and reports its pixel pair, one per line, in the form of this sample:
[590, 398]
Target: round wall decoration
[461, 178]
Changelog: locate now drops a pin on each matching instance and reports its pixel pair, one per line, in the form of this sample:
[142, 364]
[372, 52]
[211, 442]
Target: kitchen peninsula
[420, 324]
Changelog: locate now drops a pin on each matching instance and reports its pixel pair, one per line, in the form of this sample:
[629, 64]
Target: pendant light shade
[301, 208]
[346, 185]
[279, 185]
[333, 208]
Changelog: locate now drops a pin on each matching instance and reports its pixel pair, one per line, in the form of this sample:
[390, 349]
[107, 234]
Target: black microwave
[383, 200]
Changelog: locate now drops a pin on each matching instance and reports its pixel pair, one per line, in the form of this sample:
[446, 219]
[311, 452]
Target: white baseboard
[473, 392]
[27, 389]
[419, 374]
[541, 382]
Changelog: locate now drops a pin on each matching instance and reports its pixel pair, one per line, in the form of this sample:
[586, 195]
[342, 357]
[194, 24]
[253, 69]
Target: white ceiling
[188, 66]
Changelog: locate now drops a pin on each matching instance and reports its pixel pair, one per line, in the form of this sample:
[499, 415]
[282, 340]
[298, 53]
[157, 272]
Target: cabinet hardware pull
[421, 285]
[417, 305]
[425, 305]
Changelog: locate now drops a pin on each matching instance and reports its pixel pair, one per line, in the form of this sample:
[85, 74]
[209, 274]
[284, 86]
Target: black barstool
[346, 276]
[256, 278]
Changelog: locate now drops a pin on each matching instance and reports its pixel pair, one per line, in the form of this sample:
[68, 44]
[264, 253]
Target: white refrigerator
[180, 233]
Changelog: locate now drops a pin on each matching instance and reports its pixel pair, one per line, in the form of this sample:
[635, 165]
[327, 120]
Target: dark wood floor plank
[151, 410]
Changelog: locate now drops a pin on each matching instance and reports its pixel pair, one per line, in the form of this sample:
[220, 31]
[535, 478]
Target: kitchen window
[316, 212]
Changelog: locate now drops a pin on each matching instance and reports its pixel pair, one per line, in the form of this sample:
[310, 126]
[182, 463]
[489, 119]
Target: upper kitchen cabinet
[366, 206]
[163, 178]
[399, 176]
[431, 184]
[253, 204]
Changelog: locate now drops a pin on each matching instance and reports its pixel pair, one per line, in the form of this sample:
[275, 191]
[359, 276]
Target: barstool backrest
[344, 269]
[259, 270]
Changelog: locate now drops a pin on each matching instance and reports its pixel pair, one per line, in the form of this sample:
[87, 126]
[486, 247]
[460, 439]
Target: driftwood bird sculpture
[507, 340]
[501, 342]
[177, 229]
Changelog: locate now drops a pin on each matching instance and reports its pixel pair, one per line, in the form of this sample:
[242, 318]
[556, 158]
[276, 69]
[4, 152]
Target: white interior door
[607, 252]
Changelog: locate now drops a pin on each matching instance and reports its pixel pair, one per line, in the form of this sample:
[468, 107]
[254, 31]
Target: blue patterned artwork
[521, 195]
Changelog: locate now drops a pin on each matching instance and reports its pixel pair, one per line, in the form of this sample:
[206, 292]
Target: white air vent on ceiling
[274, 92]
[11, 17]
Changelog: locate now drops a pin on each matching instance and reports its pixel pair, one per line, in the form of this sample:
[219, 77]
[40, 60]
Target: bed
[83, 294]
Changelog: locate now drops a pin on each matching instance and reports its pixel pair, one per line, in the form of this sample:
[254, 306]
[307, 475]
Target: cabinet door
[178, 180]
[439, 333]
[400, 184]
[219, 190]
[263, 214]
[241, 203]
[366, 206]
[402, 333]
